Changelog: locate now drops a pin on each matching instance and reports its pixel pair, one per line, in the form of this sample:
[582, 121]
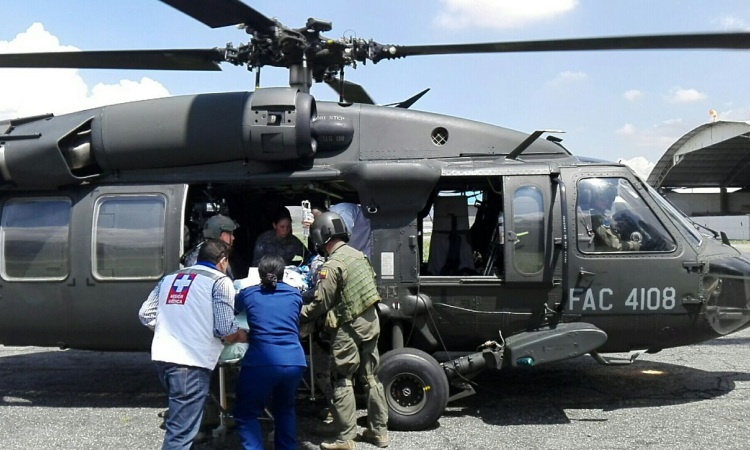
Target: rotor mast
[300, 77]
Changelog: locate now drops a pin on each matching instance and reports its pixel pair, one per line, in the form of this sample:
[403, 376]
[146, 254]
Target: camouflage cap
[214, 226]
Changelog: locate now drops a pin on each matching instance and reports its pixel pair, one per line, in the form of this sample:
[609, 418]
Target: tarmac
[690, 397]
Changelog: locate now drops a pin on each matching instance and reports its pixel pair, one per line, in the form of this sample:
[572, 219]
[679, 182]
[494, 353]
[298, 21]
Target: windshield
[613, 217]
[678, 217]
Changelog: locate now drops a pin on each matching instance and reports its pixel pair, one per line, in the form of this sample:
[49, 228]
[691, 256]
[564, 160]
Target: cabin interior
[459, 231]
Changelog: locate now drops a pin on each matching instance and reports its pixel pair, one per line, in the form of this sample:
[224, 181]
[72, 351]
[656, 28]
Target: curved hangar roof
[713, 155]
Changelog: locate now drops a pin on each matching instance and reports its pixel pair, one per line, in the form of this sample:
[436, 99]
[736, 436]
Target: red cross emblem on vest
[180, 288]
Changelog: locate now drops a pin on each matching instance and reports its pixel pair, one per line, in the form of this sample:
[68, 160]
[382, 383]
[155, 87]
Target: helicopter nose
[727, 294]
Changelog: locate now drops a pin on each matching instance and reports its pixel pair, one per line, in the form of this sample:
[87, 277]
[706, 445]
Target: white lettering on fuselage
[589, 300]
[336, 118]
[638, 299]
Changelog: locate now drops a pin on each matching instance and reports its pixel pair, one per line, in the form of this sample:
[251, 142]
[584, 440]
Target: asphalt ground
[691, 397]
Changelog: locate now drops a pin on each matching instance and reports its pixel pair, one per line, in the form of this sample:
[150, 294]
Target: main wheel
[416, 388]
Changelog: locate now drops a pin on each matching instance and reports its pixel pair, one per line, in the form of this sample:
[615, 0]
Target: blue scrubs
[273, 364]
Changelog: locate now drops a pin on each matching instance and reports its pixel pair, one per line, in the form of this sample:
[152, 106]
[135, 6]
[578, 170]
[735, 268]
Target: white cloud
[127, 91]
[35, 39]
[567, 77]
[632, 94]
[735, 114]
[626, 130]
[679, 95]
[27, 92]
[655, 140]
[733, 23]
[640, 165]
[499, 14]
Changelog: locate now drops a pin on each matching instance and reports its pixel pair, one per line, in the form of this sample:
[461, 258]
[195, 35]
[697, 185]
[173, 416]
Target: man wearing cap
[217, 227]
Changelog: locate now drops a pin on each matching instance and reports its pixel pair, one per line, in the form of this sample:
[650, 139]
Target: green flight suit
[608, 240]
[346, 293]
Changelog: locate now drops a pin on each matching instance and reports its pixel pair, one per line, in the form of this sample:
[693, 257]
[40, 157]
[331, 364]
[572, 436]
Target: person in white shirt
[191, 312]
[356, 222]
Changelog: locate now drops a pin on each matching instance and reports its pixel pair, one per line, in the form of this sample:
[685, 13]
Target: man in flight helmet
[347, 295]
[328, 226]
[606, 239]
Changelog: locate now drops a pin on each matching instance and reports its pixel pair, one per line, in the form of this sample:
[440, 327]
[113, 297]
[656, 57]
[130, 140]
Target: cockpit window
[678, 218]
[612, 217]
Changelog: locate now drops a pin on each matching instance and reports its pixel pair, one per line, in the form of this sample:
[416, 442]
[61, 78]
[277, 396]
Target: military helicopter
[534, 255]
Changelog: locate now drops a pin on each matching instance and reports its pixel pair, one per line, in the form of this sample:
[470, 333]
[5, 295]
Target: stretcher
[231, 359]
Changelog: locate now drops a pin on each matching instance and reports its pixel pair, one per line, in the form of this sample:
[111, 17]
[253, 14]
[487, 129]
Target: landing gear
[416, 388]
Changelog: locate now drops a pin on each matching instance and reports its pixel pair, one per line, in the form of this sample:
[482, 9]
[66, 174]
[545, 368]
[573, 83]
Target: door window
[613, 217]
[528, 226]
[461, 229]
[35, 239]
[129, 237]
[450, 252]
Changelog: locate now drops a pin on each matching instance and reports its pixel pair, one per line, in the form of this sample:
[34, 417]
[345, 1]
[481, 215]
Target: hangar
[716, 156]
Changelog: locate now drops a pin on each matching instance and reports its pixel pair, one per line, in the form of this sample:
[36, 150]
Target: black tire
[416, 389]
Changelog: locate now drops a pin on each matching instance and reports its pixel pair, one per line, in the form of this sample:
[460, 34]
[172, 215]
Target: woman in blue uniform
[275, 361]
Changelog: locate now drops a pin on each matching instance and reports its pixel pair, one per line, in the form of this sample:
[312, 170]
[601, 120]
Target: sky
[626, 105]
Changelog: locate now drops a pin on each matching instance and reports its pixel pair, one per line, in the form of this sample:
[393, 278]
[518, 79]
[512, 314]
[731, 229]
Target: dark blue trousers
[187, 388]
[254, 386]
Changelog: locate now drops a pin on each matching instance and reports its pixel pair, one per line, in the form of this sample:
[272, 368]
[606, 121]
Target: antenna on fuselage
[528, 141]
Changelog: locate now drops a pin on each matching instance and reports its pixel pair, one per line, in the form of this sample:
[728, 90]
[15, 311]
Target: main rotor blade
[353, 92]
[222, 13]
[653, 42]
[187, 59]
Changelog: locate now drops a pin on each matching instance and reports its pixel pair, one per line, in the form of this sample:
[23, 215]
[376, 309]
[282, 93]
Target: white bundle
[291, 277]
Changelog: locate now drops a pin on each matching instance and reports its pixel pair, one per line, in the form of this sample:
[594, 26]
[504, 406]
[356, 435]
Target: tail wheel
[416, 389]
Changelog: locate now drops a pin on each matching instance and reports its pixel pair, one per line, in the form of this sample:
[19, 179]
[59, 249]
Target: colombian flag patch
[323, 274]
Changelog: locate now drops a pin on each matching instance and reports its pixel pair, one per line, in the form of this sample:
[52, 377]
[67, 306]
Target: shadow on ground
[549, 394]
[542, 395]
[75, 378]
[561, 393]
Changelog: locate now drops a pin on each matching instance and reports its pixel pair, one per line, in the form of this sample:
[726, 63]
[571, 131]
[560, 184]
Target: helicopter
[487, 242]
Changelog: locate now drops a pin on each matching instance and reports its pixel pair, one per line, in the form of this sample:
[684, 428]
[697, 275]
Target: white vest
[184, 332]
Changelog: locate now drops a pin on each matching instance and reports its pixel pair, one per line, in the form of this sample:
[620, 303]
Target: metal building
[714, 155]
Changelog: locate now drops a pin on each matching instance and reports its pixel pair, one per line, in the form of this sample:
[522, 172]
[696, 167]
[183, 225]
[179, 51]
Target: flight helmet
[327, 226]
[603, 189]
